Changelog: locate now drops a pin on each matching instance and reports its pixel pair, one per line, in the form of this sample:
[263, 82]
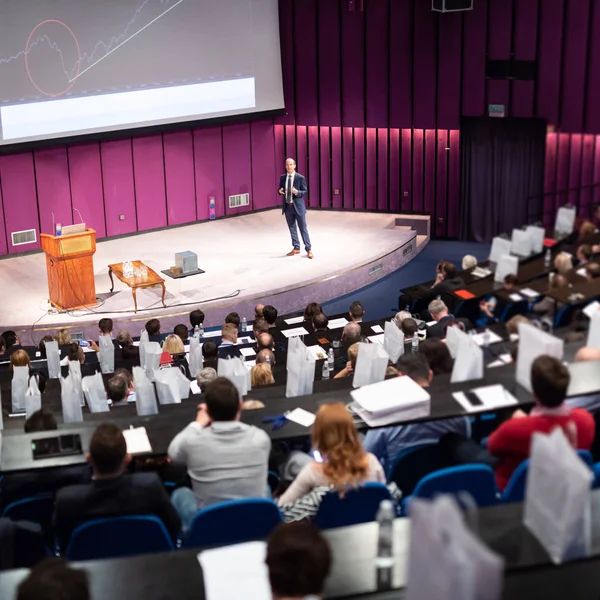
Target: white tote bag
[33, 397]
[19, 385]
[371, 364]
[300, 369]
[145, 397]
[106, 354]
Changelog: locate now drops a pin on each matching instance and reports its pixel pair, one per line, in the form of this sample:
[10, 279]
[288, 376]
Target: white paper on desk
[500, 248]
[137, 440]
[515, 297]
[468, 364]
[593, 338]
[521, 243]
[503, 359]
[529, 293]
[480, 272]
[565, 219]
[296, 332]
[106, 354]
[377, 329]
[301, 416]
[513, 337]
[145, 396]
[393, 341]
[377, 339]
[591, 308]
[245, 352]
[211, 334]
[94, 393]
[236, 572]
[317, 352]
[244, 340]
[534, 342]
[507, 265]
[53, 359]
[294, 320]
[581, 272]
[371, 364]
[537, 235]
[18, 388]
[492, 338]
[558, 497]
[234, 370]
[337, 323]
[491, 397]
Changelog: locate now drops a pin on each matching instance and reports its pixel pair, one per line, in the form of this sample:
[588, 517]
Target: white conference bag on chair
[144, 339]
[152, 354]
[468, 364]
[195, 359]
[558, 497]
[393, 341]
[18, 388]
[172, 386]
[235, 370]
[106, 354]
[94, 393]
[70, 397]
[371, 364]
[75, 375]
[446, 560]
[53, 359]
[507, 265]
[300, 369]
[145, 397]
[33, 397]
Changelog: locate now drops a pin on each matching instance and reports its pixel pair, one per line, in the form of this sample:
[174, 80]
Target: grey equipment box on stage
[187, 261]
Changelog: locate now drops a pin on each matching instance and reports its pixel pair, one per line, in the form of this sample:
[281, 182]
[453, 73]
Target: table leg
[163, 295]
[133, 292]
[112, 283]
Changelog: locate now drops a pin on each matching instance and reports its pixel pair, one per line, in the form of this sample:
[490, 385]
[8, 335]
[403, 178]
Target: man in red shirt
[511, 442]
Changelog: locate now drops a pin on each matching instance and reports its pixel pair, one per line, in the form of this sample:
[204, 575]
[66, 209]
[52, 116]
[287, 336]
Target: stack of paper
[529, 293]
[492, 338]
[487, 398]
[480, 272]
[295, 332]
[137, 440]
[294, 320]
[337, 323]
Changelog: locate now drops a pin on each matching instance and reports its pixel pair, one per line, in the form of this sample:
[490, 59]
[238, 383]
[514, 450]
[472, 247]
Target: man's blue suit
[295, 213]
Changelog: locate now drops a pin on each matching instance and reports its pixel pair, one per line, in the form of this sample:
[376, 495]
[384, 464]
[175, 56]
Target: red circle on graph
[27, 58]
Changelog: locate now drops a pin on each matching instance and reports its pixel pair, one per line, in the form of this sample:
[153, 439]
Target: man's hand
[202, 417]
[281, 192]
[439, 278]
[294, 191]
[94, 346]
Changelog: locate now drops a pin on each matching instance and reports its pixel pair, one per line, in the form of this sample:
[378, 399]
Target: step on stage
[244, 259]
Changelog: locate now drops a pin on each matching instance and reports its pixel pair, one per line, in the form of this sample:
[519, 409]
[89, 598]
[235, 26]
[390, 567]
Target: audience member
[234, 319]
[351, 334]
[259, 326]
[511, 442]
[547, 306]
[40, 420]
[510, 282]
[409, 327]
[298, 560]
[12, 342]
[196, 319]
[117, 389]
[563, 263]
[258, 311]
[590, 402]
[584, 254]
[112, 492]
[229, 336]
[63, 337]
[105, 326]
[312, 309]
[225, 459]
[512, 325]
[153, 329]
[183, 332]
[2, 348]
[469, 262]
[54, 579]
[210, 353]
[204, 377]
[446, 281]
[357, 312]
[270, 315]
[173, 345]
[320, 322]
[128, 350]
[265, 356]
[265, 340]
[586, 231]
[399, 318]
[20, 358]
[261, 374]
[41, 345]
[437, 355]
[348, 369]
[440, 314]
[76, 353]
[587, 353]
[592, 271]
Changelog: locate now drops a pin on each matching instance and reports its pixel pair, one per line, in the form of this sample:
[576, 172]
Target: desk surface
[151, 277]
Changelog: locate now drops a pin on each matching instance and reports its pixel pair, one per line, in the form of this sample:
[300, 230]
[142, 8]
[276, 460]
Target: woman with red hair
[345, 462]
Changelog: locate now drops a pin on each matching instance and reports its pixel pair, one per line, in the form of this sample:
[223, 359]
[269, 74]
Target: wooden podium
[70, 265]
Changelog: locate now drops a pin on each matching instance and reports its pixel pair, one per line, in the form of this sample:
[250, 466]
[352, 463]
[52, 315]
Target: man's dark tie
[288, 192]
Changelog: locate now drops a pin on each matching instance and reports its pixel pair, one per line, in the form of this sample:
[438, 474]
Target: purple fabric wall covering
[314, 171]
[119, 190]
[3, 244]
[301, 145]
[179, 177]
[429, 170]
[394, 170]
[592, 114]
[353, 68]
[359, 173]
[305, 63]
[376, 68]
[325, 168]
[336, 166]
[348, 167]
[525, 46]
[575, 168]
[417, 170]
[448, 84]
[237, 165]
[587, 171]
[401, 59]
[522, 98]
[53, 188]
[265, 167]
[573, 76]
[473, 64]
[549, 63]
[87, 191]
[330, 108]
[440, 179]
[596, 190]
[383, 168]
[406, 162]
[286, 37]
[208, 165]
[499, 47]
[291, 151]
[149, 179]
[453, 183]
[550, 176]
[424, 65]
[371, 168]
[562, 168]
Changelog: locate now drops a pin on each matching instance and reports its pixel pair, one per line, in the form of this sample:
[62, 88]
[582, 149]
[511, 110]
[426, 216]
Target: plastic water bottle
[58, 229]
[244, 325]
[197, 331]
[385, 545]
[547, 258]
[325, 371]
[201, 330]
[415, 343]
[330, 359]
[486, 338]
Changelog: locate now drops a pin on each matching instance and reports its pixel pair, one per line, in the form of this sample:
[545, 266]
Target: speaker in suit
[293, 189]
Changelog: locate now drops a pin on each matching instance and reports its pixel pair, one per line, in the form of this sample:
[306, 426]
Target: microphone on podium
[77, 211]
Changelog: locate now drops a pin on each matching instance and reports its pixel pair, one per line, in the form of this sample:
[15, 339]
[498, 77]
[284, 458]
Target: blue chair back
[233, 522]
[119, 536]
[514, 308]
[596, 470]
[37, 509]
[477, 480]
[359, 505]
[389, 469]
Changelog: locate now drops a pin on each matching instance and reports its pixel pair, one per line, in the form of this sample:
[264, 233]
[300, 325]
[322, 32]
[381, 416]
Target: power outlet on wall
[121, 217]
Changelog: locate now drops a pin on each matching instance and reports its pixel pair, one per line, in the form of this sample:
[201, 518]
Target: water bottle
[385, 551]
[197, 332]
[547, 258]
[330, 359]
[325, 371]
[486, 338]
[201, 330]
[415, 343]
[58, 229]
[244, 325]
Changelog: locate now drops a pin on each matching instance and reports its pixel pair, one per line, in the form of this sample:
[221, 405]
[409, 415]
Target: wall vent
[239, 200]
[28, 236]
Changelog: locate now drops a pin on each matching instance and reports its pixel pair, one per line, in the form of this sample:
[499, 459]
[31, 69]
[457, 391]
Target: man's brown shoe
[310, 254]
[294, 251]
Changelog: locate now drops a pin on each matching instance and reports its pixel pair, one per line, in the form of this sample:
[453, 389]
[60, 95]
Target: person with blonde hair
[173, 353]
[63, 337]
[345, 462]
[173, 345]
[261, 374]
[20, 358]
[563, 263]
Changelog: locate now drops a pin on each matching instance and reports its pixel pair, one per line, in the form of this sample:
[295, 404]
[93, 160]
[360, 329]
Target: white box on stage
[187, 261]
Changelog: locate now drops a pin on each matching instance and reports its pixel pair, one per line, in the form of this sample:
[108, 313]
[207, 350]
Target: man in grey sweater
[225, 458]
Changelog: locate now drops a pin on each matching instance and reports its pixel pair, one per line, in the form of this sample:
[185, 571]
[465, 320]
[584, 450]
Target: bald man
[292, 186]
[590, 402]
[587, 353]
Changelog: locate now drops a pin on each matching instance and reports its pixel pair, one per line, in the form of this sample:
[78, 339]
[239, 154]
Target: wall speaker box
[187, 261]
[451, 5]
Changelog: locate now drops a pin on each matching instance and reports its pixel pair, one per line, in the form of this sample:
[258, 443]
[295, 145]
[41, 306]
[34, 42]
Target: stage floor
[244, 261]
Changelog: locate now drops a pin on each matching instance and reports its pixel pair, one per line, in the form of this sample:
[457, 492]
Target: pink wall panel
[429, 169]
[336, 166]
[305, 65]
[449, 51]
[587, 171]
[313, 167]
[302, 149]
[376, 75]
[87, 192]
[592, 114]
[3, 244]
[149, 178]
[424, 65]
[348, 167]
[596, 189]
[417, 170]
[440, 178]
[291, 151]
[550, 175]
[562, 168]
[473, 65]
[265, 170]
[406, 166]
[353, 68]
[453, 183]
[53, 188]
[394, 170]
[401, 61]
[17, 178]
[359, 172]
[286, 37]
[371, 168]
[325, 169]
[208, 164]
[179, 177]
[330, 108]
[575, 167]
[382, 169]
[237, 164]
[119, 189]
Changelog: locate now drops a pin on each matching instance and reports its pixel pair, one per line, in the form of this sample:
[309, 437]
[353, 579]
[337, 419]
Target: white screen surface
[76, 67]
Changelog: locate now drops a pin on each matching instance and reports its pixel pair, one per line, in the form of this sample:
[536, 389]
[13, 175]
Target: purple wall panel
[549, 60]
[401, 64]
[53, 188]
[359, 172]
[448, 91]
[550, 176]
[290, 142]
[574, 59]
[87, 192]
[498, 92]
[525, 46]
[521, 99]
[149, 179]
[3, 244]
[286, 37]
[208, 165]
[353, 69]
[575, 168]
[587, 171]
[562, 168]
[406, 170]
[336, 166]
[371, 168]
[119, 190]
[429, 180]
[19, 198]
[454, 183]
[376, 68]
[595, 190]
[325, 168]
[265, 171]
[473, 66]
[499, 46]
[440, 178]
[237, 165]
[424, 65]
[592, 115]
[348, 167]
[417, 170]
[330, 108]
[305, 65]
[314, 183]
[179, 177]
[279, 148]
[382, 169]
[302, 149]
[394, 169]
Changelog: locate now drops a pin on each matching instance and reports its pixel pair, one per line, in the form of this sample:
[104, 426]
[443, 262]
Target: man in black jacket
[442, 317]
[112, 493]
[446, 281]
